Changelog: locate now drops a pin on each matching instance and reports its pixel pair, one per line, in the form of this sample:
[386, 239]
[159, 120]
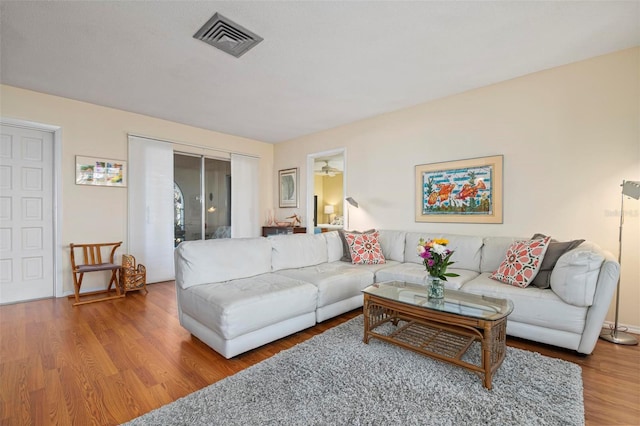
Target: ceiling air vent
[228, 36]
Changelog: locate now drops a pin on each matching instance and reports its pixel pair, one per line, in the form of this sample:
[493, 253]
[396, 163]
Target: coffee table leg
[487, 343]
[365, 311]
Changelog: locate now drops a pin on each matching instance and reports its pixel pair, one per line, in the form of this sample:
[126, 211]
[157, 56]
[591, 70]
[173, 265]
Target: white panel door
[26, 214]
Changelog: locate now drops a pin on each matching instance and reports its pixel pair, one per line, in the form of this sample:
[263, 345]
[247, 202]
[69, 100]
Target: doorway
[29, 265]
[326, 189]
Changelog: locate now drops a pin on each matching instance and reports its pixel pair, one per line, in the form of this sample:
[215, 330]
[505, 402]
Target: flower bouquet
[436, 258]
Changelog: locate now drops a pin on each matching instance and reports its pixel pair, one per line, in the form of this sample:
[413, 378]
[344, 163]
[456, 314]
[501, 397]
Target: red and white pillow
[522, 262]
[364, 248]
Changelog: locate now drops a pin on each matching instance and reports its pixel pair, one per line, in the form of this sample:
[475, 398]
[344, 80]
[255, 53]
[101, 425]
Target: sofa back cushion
[494, 250]
[466, 249]
[210, 261]
[334, 246]
[297, 251]
[392, 244]
[575, 274]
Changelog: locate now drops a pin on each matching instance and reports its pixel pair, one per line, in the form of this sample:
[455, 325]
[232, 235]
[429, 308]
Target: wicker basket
[132, 276]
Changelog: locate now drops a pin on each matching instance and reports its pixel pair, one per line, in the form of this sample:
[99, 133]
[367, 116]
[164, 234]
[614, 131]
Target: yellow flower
[441, 241]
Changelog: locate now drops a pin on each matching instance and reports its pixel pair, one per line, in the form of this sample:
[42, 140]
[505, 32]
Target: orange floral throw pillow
[364, 248]
[522, 262]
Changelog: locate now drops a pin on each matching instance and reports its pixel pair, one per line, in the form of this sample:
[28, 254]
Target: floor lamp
[631, 189]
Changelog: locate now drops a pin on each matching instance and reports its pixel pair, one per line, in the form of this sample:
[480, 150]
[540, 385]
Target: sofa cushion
[575, 275]
[297, 250]
[373, 268]
[346, 253]
[494, 250]
[522, 262]
[209, 261]
[417, 274]
[334, 246]
[407, 272]
[392, 244]
[237, 307]
[335, 281]
[364, 248]
[467, 249]
[555, 250]
[532, 305]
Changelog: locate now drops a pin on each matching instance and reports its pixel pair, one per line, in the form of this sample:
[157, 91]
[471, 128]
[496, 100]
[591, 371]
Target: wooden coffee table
[444, 329]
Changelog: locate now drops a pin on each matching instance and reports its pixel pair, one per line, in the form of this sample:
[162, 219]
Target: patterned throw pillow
[364, 248]
[346, 254]
[522, 262]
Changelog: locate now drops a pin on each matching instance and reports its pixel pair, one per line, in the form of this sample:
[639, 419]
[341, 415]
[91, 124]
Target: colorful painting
[460, 191]
[102, 172]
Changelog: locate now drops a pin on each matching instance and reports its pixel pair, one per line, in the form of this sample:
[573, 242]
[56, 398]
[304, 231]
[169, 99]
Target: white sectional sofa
[238, 294]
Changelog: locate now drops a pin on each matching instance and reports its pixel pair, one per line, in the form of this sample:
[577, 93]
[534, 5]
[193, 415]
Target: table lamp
[328, 210]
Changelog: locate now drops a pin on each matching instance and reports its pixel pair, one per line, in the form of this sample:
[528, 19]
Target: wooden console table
[276, 230]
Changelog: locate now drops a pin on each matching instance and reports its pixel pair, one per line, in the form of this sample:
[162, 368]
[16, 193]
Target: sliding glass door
[202, 198]
[217, 201]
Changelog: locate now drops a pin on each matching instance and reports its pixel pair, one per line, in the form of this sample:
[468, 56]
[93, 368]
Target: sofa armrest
[605, 288]
[575, 276]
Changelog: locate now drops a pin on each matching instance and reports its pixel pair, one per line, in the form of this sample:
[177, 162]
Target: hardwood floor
[109, 362]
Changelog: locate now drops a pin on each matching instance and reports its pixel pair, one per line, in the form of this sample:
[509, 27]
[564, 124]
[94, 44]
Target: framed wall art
[460, 191]
[288, 181]
[100, 172]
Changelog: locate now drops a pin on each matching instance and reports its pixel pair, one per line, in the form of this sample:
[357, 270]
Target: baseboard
[634, 329]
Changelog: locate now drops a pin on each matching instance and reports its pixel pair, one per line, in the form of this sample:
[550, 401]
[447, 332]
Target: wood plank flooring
[109, 362]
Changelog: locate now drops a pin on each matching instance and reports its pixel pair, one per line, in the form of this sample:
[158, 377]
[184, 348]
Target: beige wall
[329, 191]
[332, 193]
[569, 136]
[93, 214]
[318, 189]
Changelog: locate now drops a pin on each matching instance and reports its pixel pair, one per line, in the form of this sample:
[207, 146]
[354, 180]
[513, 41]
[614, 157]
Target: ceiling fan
[327, 170]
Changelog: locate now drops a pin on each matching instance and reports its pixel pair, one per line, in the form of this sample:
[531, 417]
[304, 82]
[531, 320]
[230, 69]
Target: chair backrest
[92, 253]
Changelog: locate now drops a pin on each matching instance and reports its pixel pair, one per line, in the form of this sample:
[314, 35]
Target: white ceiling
[321, 64]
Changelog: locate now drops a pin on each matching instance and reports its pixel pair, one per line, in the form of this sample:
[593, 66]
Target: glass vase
[436, 287]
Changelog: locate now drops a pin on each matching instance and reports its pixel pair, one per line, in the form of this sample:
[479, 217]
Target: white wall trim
[57, 194]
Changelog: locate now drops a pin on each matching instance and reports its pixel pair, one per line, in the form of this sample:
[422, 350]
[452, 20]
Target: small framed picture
[288, 180]
[101, 172]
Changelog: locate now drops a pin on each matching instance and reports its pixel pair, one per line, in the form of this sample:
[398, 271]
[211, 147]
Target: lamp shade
[631, 188]
[328, 209]
[351, 201]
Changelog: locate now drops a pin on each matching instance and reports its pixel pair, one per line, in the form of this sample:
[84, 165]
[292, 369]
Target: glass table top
[454, 302]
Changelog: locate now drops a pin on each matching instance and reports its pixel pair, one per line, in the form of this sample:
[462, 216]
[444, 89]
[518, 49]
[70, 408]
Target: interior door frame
[57, 194]
[310, 183]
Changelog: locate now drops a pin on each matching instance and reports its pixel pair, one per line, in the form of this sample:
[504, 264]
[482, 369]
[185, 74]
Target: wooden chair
[92, 261]
[132, 277]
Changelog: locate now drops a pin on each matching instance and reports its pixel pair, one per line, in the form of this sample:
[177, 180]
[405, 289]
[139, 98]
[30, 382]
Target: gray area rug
[336, 379]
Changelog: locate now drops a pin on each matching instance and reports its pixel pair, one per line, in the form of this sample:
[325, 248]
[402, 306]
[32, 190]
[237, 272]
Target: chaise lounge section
[239, 294]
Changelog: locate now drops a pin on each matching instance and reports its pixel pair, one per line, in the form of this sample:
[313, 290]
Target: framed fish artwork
[460, 191]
